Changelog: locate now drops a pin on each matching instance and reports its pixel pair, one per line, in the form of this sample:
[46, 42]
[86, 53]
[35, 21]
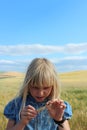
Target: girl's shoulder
[14, 102]
[68, 110]
[12, 108]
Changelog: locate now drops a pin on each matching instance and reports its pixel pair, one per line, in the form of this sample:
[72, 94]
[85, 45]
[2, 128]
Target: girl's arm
[27, 113]
[56, 110]
[65, 126]
[12, 126]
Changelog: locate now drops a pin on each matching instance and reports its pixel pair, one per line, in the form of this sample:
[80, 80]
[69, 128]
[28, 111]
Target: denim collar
[32, 100]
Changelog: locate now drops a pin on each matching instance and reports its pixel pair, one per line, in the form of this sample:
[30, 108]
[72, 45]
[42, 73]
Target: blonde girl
[38, 106]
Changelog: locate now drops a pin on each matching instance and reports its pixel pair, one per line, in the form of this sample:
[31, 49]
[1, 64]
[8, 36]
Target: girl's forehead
[43, 86]
[42, 81]
[40, 86]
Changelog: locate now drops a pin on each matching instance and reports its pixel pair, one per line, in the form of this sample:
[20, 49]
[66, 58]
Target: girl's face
[39, 94]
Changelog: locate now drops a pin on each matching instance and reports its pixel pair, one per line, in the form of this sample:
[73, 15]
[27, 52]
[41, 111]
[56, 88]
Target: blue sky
[55, 29]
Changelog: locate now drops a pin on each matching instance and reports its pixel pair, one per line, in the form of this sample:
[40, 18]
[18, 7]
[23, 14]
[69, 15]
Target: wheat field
[73, 90]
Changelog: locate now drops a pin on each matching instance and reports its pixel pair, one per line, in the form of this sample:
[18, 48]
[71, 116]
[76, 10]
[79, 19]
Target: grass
[73, 90]
[77, 97]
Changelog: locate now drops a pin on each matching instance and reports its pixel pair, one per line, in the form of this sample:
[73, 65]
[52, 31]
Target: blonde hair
[41, 72]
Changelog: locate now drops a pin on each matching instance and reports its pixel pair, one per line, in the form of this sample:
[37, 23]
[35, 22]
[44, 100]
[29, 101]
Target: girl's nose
[40, 93]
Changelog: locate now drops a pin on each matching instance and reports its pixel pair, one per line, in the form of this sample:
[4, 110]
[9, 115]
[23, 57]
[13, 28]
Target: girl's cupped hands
[28, 113]
[56, 109]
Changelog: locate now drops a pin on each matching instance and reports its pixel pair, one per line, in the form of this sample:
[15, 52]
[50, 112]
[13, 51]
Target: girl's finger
[30, 107]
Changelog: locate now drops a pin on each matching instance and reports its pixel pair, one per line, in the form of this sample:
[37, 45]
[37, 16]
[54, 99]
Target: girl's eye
[37, 88]
[34, 87]
[46, 88]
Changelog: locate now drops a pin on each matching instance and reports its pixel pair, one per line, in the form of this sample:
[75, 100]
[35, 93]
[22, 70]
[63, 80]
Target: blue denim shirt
[41, 121]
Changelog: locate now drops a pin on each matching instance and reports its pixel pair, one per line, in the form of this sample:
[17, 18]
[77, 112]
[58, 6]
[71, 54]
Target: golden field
[73, 90]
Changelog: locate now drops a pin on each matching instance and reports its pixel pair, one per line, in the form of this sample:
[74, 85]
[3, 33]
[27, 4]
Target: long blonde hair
[41, 72]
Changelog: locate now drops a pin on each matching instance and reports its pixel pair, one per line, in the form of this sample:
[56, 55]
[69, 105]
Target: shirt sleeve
[68, 111]
[10, 110]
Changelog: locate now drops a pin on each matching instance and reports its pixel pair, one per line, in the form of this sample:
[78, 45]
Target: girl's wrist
[58, 119]
[22, 124]
[60, 122]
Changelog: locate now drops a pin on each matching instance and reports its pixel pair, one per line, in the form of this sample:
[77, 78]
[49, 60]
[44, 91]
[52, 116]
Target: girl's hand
[56, 109]
[27, 113]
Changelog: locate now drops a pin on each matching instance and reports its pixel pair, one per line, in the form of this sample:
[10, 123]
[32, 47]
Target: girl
[38, 106]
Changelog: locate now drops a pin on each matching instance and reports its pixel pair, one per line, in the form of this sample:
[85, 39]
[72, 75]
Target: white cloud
[42, 49]
[28, 49]
[7, 62]
[76, 48]
[63, 64]
[69, 59]
[69, 56]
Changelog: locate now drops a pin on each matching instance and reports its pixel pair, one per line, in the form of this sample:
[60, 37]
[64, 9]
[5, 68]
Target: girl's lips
[40, 98]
